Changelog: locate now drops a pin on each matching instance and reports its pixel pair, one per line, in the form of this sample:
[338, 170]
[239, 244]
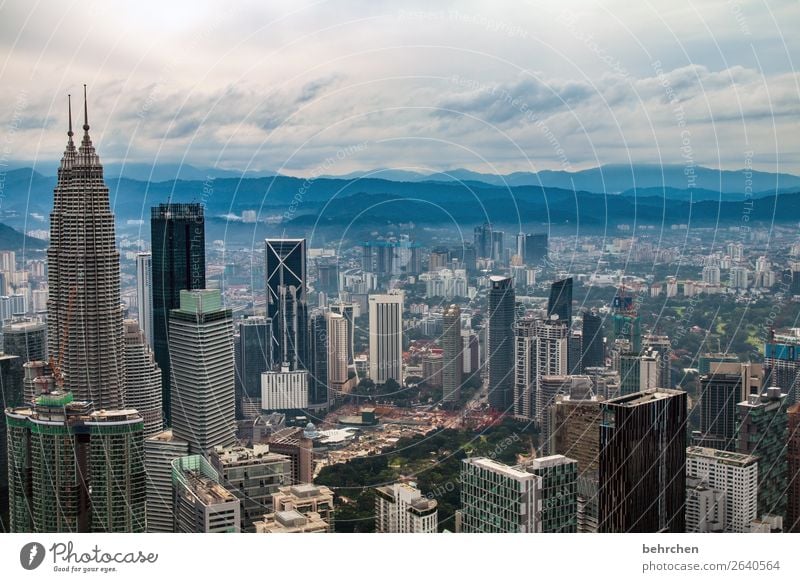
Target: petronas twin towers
[84, 313]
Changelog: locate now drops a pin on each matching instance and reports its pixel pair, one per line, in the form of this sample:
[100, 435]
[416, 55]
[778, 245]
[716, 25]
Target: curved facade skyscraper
[84, 313]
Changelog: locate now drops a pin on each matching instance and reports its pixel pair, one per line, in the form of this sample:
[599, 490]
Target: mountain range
[658, 197]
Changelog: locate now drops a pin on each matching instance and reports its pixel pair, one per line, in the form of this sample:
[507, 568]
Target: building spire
[69, 107]
[85, 111]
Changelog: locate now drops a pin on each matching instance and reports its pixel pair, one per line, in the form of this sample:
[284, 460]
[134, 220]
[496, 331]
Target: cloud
[285, 85]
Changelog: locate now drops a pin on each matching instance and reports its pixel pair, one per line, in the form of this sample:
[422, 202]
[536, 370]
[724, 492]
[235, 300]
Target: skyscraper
[719, 395]
[203, 384]
[540, 350]
[483, 241]
[735, 477]
[159, 452]
[498, 245]
[318, 359]
[638, 371]
[643, 463]
[761, 431]
[202, 504]
[497, 498]
[535, 248]
[793, 460]
[73, 469]
[337, 344]
[143, 379]
[26, 339]
[286, 301]
[453, 350]
[252, 475]
[386, 338]
[500, 343]
[144, 294]
[559, 485]
[348, 311]
[178, 238]
[84, 313]
[253, 357]
[593, 346]
[11, 395]
[401, 508]
[560, 301]
[782, 362]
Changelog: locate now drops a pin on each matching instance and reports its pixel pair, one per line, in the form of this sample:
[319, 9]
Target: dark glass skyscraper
[719, 395]
[560, 302]
[535, 248]
[178, 239]
[253, 356]
[500, 343]
[593, 349]
[318, 365]
[643, 463]
[482, 239]
[286, 300]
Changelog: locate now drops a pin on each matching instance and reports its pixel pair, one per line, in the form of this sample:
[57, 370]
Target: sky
[333, 87]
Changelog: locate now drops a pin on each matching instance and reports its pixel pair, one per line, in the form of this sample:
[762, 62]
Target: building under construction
[73, 469]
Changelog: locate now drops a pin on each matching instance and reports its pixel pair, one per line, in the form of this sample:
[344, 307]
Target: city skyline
[413, 354]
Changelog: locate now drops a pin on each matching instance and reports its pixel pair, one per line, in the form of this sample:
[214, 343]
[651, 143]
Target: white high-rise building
[203, 371]
[739, 277]
[284, 390]
[540, 349]
[734, 476]
[8, 261]
[401, 508]
[711, 275]
[338, 344]
[386, 338]
[144, 294]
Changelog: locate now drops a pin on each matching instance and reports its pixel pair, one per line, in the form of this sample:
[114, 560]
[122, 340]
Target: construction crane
[55, 365]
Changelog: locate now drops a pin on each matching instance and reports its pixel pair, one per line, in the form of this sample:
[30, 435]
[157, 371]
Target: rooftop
[551, 461]
[500, 468]
[726, 456]
[206, 489]
[644, 397]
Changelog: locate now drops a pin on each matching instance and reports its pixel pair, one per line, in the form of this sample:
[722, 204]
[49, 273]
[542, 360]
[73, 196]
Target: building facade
[761, 431]
[252, 474]
[159, 452]
[500, 343]
[178, 240]
[84, 313]
[386, 338]
[144, 294]
[73, 469]
[284, 390]
[253, 354]
[453, 355]
[734, 479]
[203, 384]
[642, 468]
[286, 301]
[201, 503]
[142, 378]
[401, 508]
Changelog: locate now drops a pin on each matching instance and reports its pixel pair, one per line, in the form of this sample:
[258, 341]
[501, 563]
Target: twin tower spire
[70, 133]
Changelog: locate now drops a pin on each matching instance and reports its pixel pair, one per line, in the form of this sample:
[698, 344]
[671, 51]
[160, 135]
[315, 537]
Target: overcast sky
[427, 86]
